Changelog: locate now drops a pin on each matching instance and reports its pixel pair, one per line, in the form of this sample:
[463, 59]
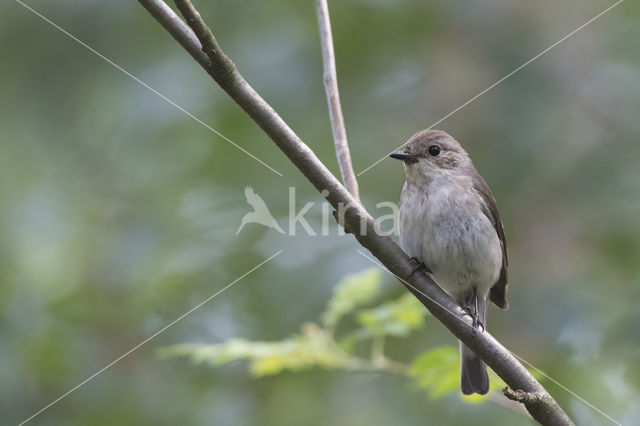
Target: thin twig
[333, 99]
[501, 400]
[440, 304]
[177, 28]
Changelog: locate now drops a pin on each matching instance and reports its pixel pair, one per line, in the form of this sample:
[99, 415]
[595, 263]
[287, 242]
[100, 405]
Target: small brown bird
[449, 222]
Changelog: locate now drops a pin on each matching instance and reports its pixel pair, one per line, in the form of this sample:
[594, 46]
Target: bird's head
[431, 153]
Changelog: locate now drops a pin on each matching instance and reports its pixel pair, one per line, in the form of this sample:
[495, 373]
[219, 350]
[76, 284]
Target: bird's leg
[468, 311]
[419, 267]
[473, 311]
[476, 318]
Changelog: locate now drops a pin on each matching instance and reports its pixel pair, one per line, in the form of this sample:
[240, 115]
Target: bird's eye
[434, 150]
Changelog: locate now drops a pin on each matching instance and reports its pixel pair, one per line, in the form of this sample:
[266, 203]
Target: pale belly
[453, 237]
[411, 223]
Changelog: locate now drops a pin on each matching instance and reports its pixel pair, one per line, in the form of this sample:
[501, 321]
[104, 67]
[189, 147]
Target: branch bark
[544, 409]
[333, 99]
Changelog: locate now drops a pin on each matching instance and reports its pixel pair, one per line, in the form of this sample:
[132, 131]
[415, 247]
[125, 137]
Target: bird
[260, 213]
[449, 224]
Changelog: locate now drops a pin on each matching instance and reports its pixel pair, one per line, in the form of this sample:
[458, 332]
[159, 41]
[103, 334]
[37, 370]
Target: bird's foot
[477, 324]
[419, 267]
[475, 318]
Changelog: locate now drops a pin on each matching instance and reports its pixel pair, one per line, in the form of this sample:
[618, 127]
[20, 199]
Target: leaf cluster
[357, 297]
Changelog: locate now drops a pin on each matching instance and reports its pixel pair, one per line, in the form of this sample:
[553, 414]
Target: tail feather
[473, 372]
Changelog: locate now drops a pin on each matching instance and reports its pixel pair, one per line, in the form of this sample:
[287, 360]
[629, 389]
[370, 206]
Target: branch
[333, 99]
[533, 401]
[546, 410]
[178, 29]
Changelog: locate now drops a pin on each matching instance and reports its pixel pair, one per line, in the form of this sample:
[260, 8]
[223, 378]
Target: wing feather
[498, 293]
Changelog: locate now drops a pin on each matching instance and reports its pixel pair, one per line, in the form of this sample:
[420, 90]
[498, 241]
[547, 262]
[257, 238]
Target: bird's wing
[498, 293]
[254, 199]
[248, 192]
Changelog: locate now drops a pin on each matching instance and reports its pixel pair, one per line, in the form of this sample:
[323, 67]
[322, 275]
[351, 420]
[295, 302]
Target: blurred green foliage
[118, 212]
[311, 349]
[436, 371]
[354, 291]
[395, 318]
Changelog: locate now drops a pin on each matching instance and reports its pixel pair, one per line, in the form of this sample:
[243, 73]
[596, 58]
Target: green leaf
[352, 292]
[396, 318]
[312, 349]
[437, 371]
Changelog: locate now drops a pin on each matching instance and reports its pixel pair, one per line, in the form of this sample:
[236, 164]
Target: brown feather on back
[498, 293]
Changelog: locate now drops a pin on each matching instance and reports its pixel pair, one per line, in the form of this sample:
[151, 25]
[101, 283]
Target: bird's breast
[411, 221]
[445, 227]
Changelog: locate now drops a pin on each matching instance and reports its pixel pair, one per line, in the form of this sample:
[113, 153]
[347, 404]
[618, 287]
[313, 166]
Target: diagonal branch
[178, 29]
[544, 409]
[333, 99]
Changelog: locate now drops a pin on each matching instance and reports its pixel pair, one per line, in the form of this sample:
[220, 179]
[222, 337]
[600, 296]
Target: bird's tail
[473, 371]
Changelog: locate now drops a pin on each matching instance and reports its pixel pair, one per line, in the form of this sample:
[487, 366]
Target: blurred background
[118, 212]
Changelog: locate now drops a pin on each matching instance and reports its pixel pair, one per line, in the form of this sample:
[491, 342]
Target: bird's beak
[404, 156]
